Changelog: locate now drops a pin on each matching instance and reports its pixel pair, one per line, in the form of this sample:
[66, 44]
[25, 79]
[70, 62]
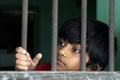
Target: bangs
[70, 31]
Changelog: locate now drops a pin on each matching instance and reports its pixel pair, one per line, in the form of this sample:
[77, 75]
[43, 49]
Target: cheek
[58, 48]
[74, 63]
[87, 58]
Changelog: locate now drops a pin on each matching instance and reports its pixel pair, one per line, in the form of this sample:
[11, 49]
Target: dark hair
[97, 39]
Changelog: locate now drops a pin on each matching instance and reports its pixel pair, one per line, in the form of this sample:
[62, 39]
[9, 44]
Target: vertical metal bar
[54, 33]
[24, 23]
[111, 35]
[83, 34]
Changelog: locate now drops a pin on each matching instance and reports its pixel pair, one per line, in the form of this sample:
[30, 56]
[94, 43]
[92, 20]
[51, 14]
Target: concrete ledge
[55, 75]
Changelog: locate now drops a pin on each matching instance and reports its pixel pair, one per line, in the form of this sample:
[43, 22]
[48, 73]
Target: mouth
[60, 63]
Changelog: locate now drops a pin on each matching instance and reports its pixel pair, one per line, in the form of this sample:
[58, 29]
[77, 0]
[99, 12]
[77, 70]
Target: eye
[76, 50]
[61, 43]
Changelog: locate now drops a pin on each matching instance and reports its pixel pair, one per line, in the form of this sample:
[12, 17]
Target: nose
[62, 51]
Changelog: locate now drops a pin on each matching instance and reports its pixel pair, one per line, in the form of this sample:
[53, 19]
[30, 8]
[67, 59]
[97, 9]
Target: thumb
[36, 59]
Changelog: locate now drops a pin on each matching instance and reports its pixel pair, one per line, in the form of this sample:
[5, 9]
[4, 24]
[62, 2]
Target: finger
[22, 63]
[20, 67]
[21, 50]
[23, 57]
[36, 59]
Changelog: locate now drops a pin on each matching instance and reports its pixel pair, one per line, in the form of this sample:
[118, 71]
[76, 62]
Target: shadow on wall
[7, 61]
[10, 30]
[10, 36]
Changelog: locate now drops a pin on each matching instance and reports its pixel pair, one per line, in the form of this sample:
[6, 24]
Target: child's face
[68, 56]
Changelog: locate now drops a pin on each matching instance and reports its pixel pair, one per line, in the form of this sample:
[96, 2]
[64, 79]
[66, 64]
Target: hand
[24, 61]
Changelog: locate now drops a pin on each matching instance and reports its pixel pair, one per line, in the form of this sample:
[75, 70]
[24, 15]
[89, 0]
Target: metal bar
[83, 34]
[111, 35]
[24, 23]
[54, 33]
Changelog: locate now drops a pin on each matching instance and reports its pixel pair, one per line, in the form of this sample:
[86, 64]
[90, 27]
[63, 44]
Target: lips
[60, 63]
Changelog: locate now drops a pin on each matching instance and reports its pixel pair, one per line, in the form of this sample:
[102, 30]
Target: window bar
[54, 33]
[111, 35]
[24, 23]
[83, 34]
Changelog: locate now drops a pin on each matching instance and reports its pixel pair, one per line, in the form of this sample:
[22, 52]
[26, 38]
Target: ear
[94, 67]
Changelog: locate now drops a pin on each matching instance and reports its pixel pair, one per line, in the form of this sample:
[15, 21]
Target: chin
[60, 69]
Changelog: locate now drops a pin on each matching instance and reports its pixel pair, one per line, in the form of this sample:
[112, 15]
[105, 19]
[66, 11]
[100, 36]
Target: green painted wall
[103, 15]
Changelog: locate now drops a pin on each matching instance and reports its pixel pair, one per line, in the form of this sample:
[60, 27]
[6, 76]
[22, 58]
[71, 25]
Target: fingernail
[26, 68]
[24, 52]
[27, 54]
[28, 63]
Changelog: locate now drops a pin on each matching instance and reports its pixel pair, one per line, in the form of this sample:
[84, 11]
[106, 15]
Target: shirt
[43, 67]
